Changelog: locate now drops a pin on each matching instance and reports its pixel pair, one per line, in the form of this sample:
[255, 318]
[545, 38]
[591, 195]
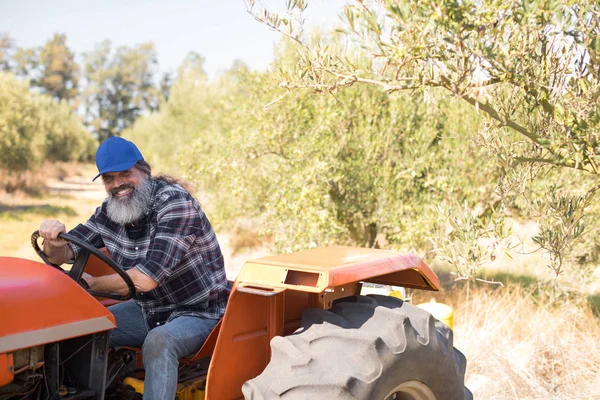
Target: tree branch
[495, 115]
[465, 278]
[249, 10]
[552, 162]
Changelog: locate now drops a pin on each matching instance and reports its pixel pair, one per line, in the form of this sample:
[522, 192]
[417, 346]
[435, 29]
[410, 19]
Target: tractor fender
[40, 304]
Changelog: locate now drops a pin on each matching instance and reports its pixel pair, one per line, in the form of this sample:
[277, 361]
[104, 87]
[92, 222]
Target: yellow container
[136, 384]
[441, 312]
[193, 391]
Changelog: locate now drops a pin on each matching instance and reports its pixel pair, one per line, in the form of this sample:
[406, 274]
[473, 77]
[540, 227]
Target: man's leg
[131, 328]
[162, 349]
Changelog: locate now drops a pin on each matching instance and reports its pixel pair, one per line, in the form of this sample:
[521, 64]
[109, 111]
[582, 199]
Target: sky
[219, 30]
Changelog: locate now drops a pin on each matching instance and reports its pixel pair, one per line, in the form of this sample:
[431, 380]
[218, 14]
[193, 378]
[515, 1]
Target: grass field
[70, 200]
[522, 341]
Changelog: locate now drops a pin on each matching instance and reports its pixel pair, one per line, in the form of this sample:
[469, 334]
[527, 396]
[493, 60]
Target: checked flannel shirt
[175, 245]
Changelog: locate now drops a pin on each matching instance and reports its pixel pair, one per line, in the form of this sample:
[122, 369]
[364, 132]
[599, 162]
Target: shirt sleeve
[87, 232]
[179, 224]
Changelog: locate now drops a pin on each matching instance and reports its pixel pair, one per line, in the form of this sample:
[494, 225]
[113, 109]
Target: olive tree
[362, 167]
[531, 69]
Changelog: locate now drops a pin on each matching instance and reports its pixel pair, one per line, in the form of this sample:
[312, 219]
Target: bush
[35, 128]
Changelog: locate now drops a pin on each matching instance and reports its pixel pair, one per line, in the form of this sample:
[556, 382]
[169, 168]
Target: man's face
[121, 185]
[130, 195]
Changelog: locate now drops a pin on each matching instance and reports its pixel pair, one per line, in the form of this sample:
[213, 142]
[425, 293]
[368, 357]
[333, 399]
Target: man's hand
[49, 230]
[88, 279]
[55, 249]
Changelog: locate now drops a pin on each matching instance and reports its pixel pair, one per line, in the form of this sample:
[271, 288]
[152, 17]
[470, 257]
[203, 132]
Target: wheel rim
[411, 390]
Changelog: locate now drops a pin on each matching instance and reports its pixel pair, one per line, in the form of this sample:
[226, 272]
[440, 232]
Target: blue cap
[116, 154]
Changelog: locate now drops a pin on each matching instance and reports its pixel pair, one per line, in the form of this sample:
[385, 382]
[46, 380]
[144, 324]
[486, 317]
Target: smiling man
[155, 230]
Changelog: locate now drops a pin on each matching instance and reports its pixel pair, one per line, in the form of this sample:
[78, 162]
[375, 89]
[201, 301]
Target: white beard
[125, 211]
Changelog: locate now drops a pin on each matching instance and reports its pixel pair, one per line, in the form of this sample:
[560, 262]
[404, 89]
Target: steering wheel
[76, 271]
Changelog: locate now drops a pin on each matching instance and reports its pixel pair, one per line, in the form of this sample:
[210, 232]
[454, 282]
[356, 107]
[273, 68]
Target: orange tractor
[296, 327]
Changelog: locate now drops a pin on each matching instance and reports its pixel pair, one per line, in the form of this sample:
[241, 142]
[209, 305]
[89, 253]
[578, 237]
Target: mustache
[114, 191]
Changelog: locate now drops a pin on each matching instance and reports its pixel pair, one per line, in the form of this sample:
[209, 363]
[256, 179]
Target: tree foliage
[51, 68]
[531, 68]
[59, 75]
[119, 83]
[120, 87]
[6, 45]
[363, 168]
[185, 116]
[35, 128]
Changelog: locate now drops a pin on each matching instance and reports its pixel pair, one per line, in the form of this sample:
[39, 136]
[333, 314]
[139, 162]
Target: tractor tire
[366, 348]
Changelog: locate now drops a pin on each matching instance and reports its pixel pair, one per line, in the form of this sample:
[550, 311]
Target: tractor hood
[39, 304]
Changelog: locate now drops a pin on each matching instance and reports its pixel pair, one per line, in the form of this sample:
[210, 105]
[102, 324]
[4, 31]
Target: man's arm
[115, 284]
[58, 253]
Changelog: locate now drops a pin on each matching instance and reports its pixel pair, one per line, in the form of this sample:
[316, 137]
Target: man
[156, 231]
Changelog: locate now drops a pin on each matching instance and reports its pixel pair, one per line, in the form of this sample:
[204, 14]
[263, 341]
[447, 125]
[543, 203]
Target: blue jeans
[162, 346]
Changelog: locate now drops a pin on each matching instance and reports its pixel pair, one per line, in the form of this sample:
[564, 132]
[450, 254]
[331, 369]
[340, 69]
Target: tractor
[295, 327]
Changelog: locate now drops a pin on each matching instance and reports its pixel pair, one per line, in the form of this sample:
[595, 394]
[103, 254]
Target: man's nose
[119, 181]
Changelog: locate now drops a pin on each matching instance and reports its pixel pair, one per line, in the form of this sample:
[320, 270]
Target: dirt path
[78, 187]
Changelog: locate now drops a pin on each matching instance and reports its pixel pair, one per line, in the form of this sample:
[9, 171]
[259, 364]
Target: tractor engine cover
[40, 304]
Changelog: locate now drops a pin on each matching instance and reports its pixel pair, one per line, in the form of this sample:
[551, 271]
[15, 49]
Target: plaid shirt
[175, 245]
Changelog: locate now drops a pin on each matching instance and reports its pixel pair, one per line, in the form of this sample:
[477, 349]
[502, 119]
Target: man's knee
[158, 342]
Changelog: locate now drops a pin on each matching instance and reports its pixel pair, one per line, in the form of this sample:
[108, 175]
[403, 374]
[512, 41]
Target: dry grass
[20, 216]
[22, 209]
[522, 345]
[28, 182]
